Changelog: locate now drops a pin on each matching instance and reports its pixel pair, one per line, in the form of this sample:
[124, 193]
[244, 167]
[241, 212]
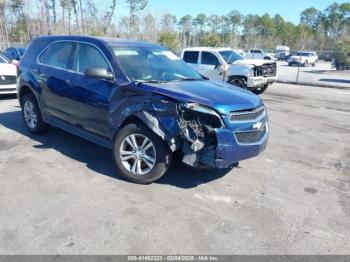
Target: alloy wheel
[29, 114]
[137, 154]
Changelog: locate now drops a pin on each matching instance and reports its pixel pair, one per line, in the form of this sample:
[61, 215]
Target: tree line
[22, 20]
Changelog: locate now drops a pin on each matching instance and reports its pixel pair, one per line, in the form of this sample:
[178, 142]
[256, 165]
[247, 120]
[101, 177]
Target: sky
[289, 9]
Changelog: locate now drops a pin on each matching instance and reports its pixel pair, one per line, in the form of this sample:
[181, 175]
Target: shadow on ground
[343, 81]
[99, 159]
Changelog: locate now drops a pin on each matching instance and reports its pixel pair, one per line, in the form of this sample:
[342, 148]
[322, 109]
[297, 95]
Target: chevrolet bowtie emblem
[257, 125]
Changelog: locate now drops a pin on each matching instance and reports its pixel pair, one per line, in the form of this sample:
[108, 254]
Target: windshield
[153, 64]
[230, 56]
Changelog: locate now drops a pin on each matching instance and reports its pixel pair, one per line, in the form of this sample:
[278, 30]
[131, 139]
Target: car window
[230, 56]
[58, 55]
[191, 57]
[209, 59]
[89, 57]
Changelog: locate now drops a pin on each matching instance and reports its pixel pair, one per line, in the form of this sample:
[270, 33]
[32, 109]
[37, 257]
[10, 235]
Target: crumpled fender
[155, 111]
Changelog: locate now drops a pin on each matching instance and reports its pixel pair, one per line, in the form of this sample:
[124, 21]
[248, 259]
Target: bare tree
[109, 16]
[134, 7]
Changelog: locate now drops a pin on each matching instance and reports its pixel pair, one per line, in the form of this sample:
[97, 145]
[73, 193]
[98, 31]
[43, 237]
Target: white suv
[226, 65]
[303, 58]
[259, 54]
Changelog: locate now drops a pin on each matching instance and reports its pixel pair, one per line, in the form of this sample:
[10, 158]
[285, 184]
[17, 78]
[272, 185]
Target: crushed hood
[218, 95]
[256, 62]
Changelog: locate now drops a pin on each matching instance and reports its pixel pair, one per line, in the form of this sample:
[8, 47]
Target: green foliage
[168, 40]
[96, 33]
[343, 47]
[211, 39]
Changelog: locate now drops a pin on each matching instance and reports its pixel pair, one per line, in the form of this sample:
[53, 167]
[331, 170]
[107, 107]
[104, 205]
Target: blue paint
[96, 108]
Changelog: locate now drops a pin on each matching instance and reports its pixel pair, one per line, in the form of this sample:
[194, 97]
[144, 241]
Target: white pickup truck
[226, 65]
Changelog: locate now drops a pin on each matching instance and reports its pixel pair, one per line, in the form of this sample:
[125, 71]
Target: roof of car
[206, 48]
[108, 40]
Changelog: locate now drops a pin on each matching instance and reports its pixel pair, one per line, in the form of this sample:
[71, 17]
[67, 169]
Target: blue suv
[141, 101]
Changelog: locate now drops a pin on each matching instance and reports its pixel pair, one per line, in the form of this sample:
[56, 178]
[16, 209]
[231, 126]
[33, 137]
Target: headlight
[203, 114]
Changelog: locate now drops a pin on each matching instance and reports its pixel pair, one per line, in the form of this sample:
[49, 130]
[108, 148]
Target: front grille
[265, 70]
[7, 80]
[248, 115]
[250, 137]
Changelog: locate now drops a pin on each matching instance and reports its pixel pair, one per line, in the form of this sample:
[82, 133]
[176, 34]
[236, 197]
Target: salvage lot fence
[332, 70]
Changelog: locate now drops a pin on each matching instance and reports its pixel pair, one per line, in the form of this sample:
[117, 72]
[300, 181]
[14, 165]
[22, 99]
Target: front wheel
[238, 81]
[140, 155]
[260, 90]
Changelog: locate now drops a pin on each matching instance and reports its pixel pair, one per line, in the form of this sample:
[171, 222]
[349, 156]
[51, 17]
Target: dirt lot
[60, 194]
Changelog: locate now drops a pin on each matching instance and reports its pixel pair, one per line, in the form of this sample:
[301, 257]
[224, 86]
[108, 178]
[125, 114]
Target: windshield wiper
[188, 79]
[150, 81]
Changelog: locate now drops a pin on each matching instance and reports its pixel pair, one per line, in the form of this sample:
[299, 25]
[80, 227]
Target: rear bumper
[8, 89]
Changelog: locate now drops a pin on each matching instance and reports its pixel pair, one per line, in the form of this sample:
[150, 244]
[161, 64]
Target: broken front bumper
[271, 79]
[229, 151]
[258, 81]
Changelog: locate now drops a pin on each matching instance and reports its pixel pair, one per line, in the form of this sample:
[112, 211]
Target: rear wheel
[140, 155]
[32, 115]
[260, 90]
[239, 81]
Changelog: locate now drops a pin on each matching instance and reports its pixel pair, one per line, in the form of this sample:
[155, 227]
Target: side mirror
[98, 72]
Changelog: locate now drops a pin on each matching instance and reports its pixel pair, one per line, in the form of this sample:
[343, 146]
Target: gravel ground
[60, 194]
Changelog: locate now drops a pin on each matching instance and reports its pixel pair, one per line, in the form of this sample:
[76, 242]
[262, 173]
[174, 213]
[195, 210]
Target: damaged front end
[198, 125]
[203, 136]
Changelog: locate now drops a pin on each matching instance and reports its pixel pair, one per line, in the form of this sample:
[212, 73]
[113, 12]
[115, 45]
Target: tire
[289, 64]
[238, 81]
[306, 64]
[136, 165]
[314, 64]
[260, 90]
[32, 116]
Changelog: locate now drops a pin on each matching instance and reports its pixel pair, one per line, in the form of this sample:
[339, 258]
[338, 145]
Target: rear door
[56, 77]
[209, 64]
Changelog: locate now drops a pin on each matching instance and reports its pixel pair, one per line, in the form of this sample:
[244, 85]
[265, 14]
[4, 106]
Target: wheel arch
[153, 124]
[24, 90]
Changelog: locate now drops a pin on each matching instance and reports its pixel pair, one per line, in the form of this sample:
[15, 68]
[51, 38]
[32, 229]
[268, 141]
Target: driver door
[208, 66]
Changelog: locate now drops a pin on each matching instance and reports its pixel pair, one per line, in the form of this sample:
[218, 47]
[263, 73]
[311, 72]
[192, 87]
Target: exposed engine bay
[197, 124]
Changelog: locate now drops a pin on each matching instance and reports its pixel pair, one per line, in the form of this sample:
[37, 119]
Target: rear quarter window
[191, 57]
